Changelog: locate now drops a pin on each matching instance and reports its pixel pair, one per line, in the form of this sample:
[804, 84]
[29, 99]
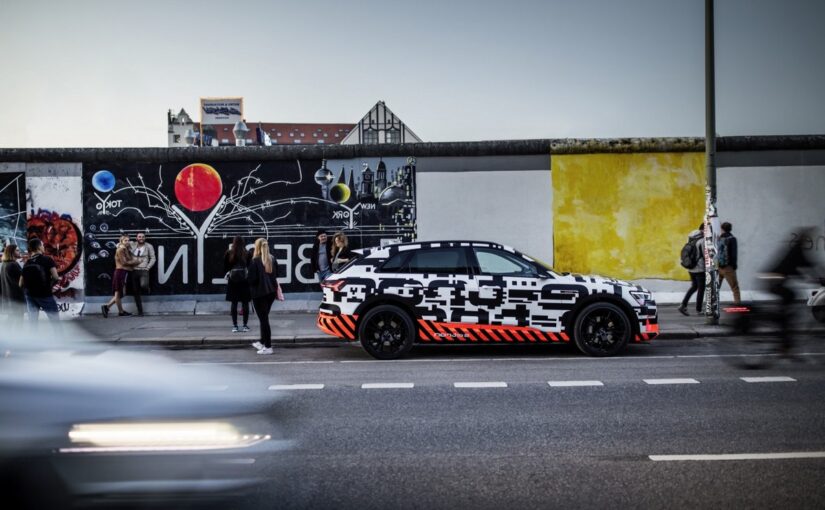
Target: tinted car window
[438, 260]
[500, 263]
[396, 263]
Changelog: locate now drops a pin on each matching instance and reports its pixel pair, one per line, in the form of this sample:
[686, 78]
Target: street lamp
[240, 130]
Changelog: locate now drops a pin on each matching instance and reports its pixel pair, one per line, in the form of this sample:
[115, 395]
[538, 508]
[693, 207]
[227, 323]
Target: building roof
[288, 132]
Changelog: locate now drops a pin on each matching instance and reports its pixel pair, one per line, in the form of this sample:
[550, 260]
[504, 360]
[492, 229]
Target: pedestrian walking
[321, 256]
[728, 259]
[125, 262]
[145, 253]
[693, 260]
[263, 286]
[12, 300]
[341, 254]
[37, 278]
[235, 263]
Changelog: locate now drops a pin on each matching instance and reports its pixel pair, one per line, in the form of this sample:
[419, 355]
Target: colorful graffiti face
[198, 187]
[60, 237]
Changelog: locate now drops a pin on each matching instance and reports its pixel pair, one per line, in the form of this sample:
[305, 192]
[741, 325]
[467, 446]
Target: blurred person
[341, 254]
[37, 279]
[145, 253]
[321, 257]
[728, 258]
[263, 286]
[792, 264]
[235, 263]
[12, 300]
[125, 262]
[693, 259]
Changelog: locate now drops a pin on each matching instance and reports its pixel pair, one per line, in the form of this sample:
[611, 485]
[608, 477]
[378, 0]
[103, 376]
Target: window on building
[226, 129]
[370, 137]
[314, 135]
[175, 138]
[297, 140]
[320, 141]
[291, 135]
[302, 135]
[393, 136]
[278, 133]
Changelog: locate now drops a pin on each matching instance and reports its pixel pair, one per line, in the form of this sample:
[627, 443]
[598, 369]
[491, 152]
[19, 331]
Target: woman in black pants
[235, 263]
[263, 285]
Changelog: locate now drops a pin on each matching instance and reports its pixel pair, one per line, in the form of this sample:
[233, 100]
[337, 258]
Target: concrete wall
[505, 191]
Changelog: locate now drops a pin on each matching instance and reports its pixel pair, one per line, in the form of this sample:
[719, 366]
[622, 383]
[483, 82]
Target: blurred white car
[84, 423]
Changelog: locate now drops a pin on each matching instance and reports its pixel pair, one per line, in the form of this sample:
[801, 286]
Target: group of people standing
[26, 283]
[133, 260]
[693, 259]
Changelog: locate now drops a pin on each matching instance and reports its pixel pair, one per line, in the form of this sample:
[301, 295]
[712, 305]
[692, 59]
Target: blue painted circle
[103, 181]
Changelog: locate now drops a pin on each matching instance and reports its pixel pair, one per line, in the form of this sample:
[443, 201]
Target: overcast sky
[104, 73]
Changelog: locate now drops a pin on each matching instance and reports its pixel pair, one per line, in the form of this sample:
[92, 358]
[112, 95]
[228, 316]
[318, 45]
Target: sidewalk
[299, 328]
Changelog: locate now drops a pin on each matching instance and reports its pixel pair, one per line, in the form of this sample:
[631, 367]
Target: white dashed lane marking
[556, 384]
[739, 456]
[497, 384]
[671, 381]
[297, 387]
[387, 386]
[768, 379]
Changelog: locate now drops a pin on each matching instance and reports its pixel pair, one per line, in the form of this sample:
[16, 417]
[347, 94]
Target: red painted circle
[198, 187]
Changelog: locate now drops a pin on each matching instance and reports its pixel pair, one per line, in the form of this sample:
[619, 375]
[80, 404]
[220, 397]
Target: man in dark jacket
[36, 279]
[728, 260]
[321, 259]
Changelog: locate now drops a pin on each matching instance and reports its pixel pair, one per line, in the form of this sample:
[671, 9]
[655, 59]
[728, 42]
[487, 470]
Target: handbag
[279, 294]
[237, 275]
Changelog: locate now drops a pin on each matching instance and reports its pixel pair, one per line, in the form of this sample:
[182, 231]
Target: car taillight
[335, 285]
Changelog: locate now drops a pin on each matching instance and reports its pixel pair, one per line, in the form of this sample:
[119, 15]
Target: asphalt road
[551, 429]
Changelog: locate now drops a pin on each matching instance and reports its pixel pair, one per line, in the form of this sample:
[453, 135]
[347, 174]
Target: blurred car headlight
[158, 437]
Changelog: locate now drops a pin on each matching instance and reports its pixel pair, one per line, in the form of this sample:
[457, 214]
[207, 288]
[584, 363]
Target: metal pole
[711, 218]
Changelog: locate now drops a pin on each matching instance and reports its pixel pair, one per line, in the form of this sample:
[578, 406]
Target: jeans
[697, 282]
[245, 311]
[133, 288]
[263, 305]
[48, 305]
[323, 275]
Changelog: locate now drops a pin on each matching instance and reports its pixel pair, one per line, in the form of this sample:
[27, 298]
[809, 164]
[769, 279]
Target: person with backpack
[37, 278]
[235, 263]
[728, 259]
[693, 259]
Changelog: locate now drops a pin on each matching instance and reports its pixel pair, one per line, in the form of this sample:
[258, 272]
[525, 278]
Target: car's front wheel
[386, 332]
[601, 329]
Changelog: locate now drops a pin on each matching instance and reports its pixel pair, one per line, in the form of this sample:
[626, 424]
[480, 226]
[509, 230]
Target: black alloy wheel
[602, 329]
[386, 332]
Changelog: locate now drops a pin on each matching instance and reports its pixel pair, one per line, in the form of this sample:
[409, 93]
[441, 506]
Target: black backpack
[34, 276]
[690, 254]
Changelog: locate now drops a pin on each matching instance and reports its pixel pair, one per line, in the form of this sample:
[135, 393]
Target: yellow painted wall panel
[626, 215]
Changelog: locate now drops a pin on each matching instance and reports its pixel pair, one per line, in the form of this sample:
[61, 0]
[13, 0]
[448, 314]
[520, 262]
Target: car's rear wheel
[819, 313]
[602, 329]
[386, 332]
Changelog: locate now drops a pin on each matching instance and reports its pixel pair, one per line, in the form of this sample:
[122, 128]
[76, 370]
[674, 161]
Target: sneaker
[235, 329]
[257, 345]
[105, 311]
[245, 328]
[125, 314]
[265, 350]
[683, 311]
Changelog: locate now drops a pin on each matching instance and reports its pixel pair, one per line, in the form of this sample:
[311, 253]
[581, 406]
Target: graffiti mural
[191, 212]
[626, 215]
[12, 209]
[54, 217]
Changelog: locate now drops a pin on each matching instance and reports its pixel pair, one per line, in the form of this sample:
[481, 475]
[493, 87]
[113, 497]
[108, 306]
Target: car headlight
[641, 297]
[158, 437]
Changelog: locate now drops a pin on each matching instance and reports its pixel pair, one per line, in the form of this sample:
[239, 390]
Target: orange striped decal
[464, 332]
[342, 326]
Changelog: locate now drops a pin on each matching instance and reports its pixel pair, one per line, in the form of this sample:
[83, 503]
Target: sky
[91, 73]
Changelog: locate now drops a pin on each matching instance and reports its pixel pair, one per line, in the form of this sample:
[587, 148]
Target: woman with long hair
[235, 263]
[263, 286]
[12, 300]
[125, 262]
[341, 254]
